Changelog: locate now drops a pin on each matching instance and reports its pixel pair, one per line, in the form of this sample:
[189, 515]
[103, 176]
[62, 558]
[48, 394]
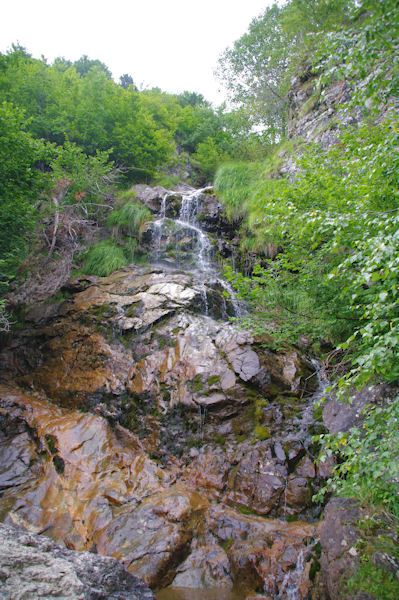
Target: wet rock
[288, 371]
[157, 377]
[297, 492]
[207, 567]
[338, 535]
[154, 538]
[97, 472]
[342, 416]
[265, 553]
[209, 472]
[150, 196]
[34, 567]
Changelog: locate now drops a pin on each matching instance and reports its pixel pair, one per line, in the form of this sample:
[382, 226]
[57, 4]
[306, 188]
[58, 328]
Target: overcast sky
[171, 44]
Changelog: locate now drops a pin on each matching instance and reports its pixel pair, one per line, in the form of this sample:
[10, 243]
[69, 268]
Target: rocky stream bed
[138, 423]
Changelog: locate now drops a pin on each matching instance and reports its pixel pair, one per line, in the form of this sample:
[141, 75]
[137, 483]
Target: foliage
[87, 178]
[84, 64]
[369, 458]
[208, 157]
[21, 186]
[258, 69]
[336, 227]
[130, 217]
[367, 51]
[369, 577]
[103, 258]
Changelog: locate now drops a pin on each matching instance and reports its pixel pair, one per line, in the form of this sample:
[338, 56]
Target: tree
[126, 81]
[280, 44]
[84, 64]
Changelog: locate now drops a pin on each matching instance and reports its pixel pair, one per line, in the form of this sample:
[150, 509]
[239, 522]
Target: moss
[261, 432]
[260, 404]
[197, 384]
[51, 442]
[101, 310]
[227, 544]
[59, 464]
[311, 103]
[58, 297]
[165, 341]
[218, 438]
[245, 510]
[213, 380]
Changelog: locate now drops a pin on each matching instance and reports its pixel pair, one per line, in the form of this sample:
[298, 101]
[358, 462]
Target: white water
[188, 221]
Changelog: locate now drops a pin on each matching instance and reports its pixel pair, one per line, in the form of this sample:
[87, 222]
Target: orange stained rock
[78, 363]
[98, 472]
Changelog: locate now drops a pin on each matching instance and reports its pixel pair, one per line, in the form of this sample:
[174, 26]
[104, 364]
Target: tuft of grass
[130, 217]
[124, 196]
[234, 183]
[103, 258]
[261, 433]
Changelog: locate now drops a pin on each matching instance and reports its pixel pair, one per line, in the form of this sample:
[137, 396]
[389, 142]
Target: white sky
[171, 44]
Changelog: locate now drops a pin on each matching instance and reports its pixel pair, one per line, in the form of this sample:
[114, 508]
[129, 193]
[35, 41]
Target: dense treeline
[328, 238]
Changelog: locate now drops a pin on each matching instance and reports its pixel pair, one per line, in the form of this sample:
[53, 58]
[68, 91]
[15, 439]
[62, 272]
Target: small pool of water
[190, 594]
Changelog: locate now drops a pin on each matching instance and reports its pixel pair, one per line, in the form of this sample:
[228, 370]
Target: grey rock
[33, 567]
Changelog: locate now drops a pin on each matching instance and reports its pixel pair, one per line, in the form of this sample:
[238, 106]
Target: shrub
[369, 459]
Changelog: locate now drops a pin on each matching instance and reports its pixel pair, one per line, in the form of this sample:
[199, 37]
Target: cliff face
[317, 113]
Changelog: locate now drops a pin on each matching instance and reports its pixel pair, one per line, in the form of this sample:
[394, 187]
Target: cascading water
[190, 207]
[198, 249]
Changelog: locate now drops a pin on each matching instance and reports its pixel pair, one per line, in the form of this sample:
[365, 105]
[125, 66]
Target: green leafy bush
[368, 456]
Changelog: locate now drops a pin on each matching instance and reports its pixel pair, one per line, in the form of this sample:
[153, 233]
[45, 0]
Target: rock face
[314, 114]
[34, 567]
[137, 422]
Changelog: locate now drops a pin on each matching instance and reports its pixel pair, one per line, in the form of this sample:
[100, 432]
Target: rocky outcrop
[316, 114]
[33, 566]
[139, 423]
[128, 416]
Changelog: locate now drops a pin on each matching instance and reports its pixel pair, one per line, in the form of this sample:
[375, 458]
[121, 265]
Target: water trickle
[289, 589]
[205, 299]
[182, 241]
[202, 417]
[162, 212]
[237, 307]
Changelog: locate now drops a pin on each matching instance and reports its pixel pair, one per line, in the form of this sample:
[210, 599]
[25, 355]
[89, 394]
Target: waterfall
[190, 207]
[171, 243]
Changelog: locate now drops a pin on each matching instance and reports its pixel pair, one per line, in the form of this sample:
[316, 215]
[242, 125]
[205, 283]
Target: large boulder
[33, 566]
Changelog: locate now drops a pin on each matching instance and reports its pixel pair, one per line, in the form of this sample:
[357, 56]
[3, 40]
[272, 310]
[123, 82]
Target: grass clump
[124, 196]
[103, 258]
[234, 183]
[261, 433]
[130, 218]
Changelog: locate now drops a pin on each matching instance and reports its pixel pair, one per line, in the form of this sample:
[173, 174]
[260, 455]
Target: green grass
[104, 258]
[379, 535]
[124, 196]
[130, 217]
[261, 433]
